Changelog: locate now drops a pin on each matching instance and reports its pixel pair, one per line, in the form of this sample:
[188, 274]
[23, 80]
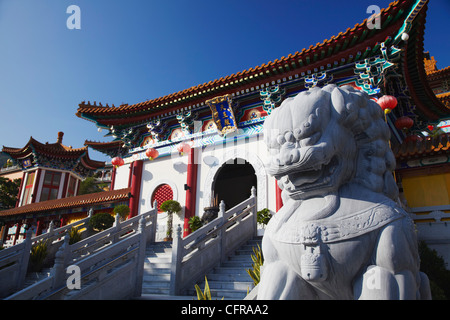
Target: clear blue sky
[135, 50]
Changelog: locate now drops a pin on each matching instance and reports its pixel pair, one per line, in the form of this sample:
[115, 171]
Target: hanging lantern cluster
[184, 147]
[152, 153]
[387, 103]
[117, 162]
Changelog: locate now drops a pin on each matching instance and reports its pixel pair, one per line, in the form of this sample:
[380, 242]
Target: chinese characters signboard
[222, 114]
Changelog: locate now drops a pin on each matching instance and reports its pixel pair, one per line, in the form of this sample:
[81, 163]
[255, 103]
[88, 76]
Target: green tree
[171, 207]
[101, 221]
[88, 185]
[434, 266]
[123, 210]
[8, 192]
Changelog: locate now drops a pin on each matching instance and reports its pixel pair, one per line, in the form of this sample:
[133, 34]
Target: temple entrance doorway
[233, 182]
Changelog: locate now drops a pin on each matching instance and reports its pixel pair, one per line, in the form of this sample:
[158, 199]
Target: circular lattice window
[162, 193]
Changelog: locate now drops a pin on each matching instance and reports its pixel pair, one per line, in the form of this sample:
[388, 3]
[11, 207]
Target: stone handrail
[112, 273]
[57, 234]
[196, 254]
[105, 244]
[428, 214]
[112, 235]
[432, 224]
[14, 265]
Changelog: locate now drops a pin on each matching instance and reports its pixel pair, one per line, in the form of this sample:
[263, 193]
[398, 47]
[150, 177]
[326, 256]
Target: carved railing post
[24, 260]
[222, 232]
[254, 210]
[66, 249]
[89, 230]
[117, 227]
[177, 255]
[154, 221]
[141, 257]
[58, 270]
[50, 229]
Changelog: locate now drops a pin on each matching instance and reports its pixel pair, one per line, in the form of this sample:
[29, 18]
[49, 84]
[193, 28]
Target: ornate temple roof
[54, 155]
[82, 201]
[444, 98]
[354, 44]
[112, 148]
[419, 147]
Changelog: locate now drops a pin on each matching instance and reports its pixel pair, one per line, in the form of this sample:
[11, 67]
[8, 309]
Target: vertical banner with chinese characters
[222, 114]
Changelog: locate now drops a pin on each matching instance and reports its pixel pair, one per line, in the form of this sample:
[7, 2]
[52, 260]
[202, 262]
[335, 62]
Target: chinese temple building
[209, 138]
[205, 144]
[51, 172]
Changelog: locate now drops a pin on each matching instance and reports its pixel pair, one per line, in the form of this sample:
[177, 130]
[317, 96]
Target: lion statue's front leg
[394, 273]
[340, 233]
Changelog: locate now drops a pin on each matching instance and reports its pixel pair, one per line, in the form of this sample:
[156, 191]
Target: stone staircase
[156, 280]
[230, 280]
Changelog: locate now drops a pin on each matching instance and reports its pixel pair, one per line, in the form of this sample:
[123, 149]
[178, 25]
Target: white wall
[252, 150]
[171, 170]
[121, 179]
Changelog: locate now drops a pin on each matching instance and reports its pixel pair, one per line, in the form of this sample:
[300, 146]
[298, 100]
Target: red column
[191, 192]
[135, 187]
[36, 185]
[130, 175]
[113, 178]
[20, 189]
[16, 236]
[66, 184]
[38, 227]
[78, 187]
[5, 231]
[278, 199]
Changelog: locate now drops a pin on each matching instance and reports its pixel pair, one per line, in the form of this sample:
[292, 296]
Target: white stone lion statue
[341, 233]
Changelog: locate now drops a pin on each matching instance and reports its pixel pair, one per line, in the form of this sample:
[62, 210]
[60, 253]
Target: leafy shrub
[434, 267]
[195, 223]
[263, 216]
[101, 221]
[123, 210]
[258, 261]
[171, 207]
[37, 255]
[74, 235]
[206, 294]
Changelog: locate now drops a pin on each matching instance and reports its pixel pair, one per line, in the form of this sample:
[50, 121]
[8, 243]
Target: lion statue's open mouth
[312, 178]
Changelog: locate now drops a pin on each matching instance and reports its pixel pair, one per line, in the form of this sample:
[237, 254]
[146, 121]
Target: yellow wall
[432, 190]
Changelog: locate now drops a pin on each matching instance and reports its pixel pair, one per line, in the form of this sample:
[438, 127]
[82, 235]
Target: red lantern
[413, 138]
[404, 123]
[117, 162]
[152, 153]
[430, 127]
[183, 147]
[387, 103]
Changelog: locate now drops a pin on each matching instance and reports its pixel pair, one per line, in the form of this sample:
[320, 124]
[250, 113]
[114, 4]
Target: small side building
[50, 172]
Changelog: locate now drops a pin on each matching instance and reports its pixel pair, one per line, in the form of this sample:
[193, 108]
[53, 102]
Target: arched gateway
[233, 182]
[224, 175]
